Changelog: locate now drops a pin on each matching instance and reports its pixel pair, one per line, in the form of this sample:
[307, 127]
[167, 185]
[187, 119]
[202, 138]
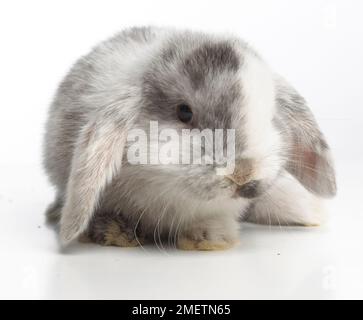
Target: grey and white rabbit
[283, 167]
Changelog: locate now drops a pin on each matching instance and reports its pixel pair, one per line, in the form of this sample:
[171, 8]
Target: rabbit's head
[207, 85]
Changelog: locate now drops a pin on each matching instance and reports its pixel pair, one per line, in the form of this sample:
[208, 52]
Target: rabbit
[283, 168]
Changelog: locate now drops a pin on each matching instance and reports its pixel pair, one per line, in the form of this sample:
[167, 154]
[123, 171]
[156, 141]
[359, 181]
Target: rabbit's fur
[141, 74]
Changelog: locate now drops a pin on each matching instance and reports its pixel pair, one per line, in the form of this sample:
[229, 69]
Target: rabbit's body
[142, 75]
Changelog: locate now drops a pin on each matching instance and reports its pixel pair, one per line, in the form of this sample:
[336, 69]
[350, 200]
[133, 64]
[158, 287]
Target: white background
[317, 45]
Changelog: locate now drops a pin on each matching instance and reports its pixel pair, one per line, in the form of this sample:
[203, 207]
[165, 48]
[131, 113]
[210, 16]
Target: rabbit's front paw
[110, 230]
[115, 236]
[213, 237]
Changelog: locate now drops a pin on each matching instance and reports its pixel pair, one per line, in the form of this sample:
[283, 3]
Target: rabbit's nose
[249, 190]
[243, 172]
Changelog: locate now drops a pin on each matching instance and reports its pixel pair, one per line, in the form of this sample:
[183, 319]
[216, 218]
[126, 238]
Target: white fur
[287, 202]
[261, 138]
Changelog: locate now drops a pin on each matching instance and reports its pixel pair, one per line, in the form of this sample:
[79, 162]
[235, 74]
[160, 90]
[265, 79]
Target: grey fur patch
[210, 58]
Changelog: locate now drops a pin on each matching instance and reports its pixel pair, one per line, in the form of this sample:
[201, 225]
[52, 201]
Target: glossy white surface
[315, 44]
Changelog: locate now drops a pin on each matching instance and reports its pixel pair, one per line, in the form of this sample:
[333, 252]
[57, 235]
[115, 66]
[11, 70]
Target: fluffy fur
[283, 164]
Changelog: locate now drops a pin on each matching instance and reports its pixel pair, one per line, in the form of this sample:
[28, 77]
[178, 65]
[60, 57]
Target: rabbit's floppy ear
[97, 158]
[308, 154]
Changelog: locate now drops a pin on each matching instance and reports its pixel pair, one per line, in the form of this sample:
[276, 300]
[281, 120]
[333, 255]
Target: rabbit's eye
[184, 112]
